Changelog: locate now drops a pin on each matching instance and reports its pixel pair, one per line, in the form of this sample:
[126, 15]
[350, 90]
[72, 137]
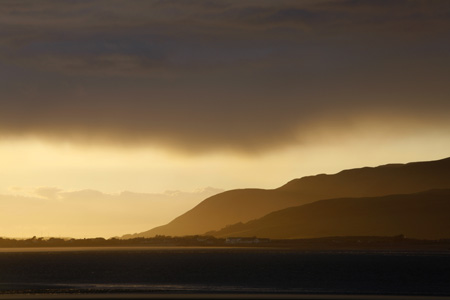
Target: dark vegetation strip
[327, 243]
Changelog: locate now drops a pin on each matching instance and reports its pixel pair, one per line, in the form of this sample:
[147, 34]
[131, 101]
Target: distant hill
[424, 215]
[383, 180]
[222, 209]
[244, 205]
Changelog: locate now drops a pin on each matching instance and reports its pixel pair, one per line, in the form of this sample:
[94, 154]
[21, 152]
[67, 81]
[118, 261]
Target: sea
[247, 273]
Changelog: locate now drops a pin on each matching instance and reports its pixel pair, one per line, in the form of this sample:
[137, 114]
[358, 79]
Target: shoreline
[224, 248]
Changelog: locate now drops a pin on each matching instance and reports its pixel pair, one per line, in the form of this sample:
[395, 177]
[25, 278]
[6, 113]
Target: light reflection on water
[74, 287]
[71, 288]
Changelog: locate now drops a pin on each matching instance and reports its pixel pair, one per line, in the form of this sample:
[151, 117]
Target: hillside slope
[424, 215]
[244, 205]
[222, 209]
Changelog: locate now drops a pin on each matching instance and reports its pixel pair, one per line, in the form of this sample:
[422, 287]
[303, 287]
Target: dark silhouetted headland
[424, 215]
[244, 205]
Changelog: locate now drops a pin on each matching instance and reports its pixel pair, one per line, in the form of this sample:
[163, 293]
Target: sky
[104, 100]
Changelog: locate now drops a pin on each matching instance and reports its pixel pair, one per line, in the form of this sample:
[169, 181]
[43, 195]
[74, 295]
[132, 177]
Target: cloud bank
[202, 76]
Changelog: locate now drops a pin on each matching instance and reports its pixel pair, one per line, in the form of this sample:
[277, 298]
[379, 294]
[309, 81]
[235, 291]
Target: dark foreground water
[221, 271]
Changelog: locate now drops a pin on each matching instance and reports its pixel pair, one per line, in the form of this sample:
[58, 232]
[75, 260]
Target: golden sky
[155, 96]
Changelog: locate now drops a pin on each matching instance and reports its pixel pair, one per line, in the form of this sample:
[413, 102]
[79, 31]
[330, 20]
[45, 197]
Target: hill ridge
[423, 215]
[243, 205]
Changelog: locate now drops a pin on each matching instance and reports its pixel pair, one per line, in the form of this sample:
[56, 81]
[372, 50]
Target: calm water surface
[222, 270]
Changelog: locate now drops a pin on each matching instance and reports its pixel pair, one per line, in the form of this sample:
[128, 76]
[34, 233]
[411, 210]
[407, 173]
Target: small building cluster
[246, 240]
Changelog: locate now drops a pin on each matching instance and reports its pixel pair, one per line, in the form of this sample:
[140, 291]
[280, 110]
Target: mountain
[244, 205]
[222, 209]
[424, 215]
[383, 180]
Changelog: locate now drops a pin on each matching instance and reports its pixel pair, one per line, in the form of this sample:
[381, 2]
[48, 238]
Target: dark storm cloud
[205, 75]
